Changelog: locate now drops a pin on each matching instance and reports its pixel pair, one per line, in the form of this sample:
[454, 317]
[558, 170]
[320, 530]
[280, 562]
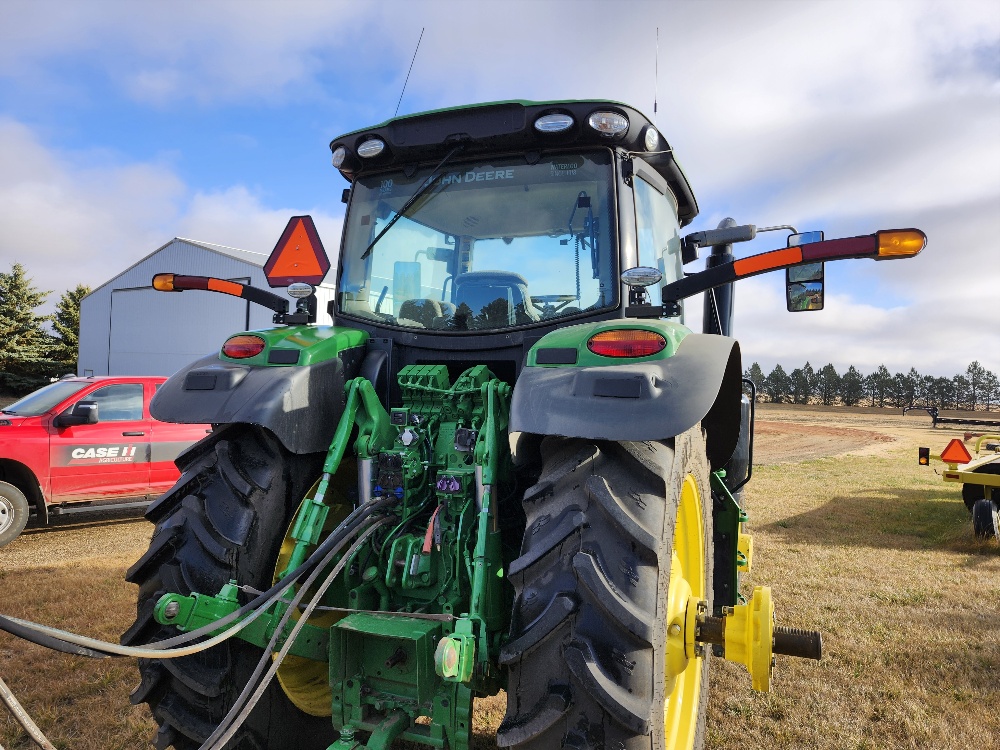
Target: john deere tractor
[507, 465]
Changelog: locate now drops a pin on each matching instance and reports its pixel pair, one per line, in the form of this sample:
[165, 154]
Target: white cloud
[849, 116]
[70, 223]
[221, 51]
[237, 218]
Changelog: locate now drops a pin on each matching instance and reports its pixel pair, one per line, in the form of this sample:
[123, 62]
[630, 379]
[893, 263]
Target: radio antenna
[656, 76]
[411, 70]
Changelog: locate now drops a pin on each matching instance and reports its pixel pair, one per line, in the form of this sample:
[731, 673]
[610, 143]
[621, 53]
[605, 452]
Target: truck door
[167, 442]
[107, 460]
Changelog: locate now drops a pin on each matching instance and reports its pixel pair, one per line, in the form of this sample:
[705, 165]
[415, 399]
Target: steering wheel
[549, 304]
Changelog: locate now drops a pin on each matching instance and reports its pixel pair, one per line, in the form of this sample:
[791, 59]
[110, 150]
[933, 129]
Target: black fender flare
[654, 400]
[300, 405]
[24, 479]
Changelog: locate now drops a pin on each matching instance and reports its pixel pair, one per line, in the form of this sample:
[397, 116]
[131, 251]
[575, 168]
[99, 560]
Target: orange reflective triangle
[298, 256]
[956, 453]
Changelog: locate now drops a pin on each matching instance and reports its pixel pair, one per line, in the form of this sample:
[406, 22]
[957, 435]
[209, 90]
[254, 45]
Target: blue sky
[124, 124]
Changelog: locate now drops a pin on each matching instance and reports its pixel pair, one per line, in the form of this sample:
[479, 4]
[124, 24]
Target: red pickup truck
[84, 442]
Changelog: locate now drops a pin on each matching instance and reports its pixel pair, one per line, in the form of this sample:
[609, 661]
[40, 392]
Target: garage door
[153, 333]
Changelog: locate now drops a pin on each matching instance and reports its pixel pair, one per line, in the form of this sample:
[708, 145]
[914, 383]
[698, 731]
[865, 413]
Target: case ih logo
[103, 454]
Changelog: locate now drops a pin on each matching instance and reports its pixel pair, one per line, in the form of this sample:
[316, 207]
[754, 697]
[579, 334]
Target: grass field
[871, 549]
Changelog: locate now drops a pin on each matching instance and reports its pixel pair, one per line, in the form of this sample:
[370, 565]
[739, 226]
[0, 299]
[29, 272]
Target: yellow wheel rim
[306, 682]
[687, 588]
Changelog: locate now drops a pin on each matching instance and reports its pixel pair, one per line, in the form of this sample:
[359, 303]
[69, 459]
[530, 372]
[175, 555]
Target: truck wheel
[13, 512]
[972, 493]
[224, 519]
[986, 519]
[618, 541]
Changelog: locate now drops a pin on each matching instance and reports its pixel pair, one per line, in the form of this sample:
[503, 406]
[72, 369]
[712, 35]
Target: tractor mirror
[804, 283]
[440, 254]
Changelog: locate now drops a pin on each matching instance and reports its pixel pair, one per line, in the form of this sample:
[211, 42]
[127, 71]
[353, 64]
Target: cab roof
[508, 127]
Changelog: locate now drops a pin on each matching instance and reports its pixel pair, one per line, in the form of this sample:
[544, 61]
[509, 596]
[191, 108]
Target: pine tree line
[976, 388]
[31, 354]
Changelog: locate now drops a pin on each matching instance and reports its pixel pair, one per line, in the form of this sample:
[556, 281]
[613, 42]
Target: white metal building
[128, 328]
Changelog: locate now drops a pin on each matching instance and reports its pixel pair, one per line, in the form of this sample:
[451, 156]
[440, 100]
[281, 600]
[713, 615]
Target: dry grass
[873, 550]
[79, 703]
[878, 554]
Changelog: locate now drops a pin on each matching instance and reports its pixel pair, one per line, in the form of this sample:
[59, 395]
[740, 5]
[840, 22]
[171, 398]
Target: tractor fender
[301, 405]
[639, 401]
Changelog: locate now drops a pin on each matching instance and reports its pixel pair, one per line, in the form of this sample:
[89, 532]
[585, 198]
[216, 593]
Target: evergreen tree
[799, 386]
[66, 323]
[975, 373]
[991, 389]
[880, 385]
[852, 387]
[942, 393]
[25, 346]
[901, 390]
[828, 384]
[756, 375]
[914, 387]
[776, 385]
[808, 381]
[962, 397]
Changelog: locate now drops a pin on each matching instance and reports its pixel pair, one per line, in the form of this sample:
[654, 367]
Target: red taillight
[241, 347]
[626, 342]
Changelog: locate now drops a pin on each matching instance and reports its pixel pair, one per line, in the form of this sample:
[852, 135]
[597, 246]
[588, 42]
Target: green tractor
[508, 465]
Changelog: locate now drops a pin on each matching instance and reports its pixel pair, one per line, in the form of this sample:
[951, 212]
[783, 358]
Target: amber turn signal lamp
[900, 243]
[924, 456]
[626, 342]
[243, 346]
[164, 282]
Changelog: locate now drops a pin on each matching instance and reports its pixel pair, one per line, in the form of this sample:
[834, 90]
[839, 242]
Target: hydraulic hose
[65, 641]
[317, 562]
[246, 701]
[22, 718]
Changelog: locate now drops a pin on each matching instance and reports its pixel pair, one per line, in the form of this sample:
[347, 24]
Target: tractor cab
[501, 223]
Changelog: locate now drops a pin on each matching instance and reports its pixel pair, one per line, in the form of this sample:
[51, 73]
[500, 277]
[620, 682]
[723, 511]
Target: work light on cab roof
[608, 123]
[556, 122]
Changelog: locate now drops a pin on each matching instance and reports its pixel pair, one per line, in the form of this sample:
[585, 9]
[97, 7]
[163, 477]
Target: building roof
[247, 256]
[250, 256]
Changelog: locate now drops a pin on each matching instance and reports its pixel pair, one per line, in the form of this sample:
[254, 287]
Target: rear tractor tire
[14, 512]
[618, 542]
[224, 519]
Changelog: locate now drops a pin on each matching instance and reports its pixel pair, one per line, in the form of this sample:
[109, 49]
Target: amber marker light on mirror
[626, 342]
[900, 243]
[243, 346]
[164, 282]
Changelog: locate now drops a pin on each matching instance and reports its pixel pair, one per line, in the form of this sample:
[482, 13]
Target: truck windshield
[490, 244]
[45, 398]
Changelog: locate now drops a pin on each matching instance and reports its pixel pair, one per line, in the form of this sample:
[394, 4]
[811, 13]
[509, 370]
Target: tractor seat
[496, 298]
